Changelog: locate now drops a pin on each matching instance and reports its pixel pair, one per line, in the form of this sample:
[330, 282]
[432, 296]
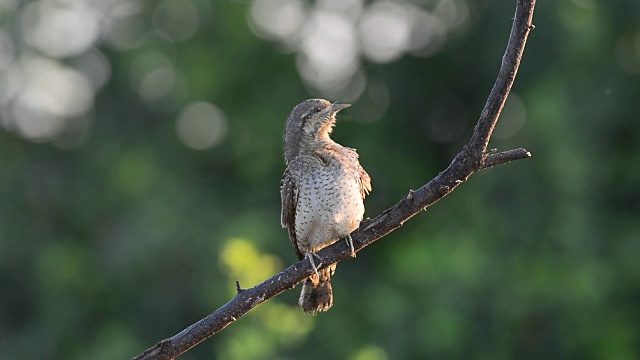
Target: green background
[114, 234]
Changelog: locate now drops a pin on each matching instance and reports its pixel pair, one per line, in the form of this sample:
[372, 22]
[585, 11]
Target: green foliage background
[129, 236]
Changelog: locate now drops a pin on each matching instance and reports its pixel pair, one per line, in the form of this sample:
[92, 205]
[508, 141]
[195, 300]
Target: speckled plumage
[322, 192]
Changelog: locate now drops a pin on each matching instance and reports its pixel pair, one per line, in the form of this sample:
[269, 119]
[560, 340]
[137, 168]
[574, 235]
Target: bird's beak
[335, 107]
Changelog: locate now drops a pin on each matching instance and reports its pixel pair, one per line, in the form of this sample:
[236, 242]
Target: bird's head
[309, 124]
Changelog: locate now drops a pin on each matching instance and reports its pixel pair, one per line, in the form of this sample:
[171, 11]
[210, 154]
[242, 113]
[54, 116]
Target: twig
[472, 158]
[505, 157]
[238, 288]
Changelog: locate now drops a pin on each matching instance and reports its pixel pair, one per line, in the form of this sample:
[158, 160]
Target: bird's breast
[329, 205]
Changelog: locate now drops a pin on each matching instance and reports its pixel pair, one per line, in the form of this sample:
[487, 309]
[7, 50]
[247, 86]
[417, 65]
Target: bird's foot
[350, 244]
[310, 255]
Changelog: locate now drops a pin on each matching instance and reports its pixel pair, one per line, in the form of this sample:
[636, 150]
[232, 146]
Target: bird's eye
[311, 112]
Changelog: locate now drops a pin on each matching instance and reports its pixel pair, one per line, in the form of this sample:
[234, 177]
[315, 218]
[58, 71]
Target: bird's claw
[310, 256]
[350, 244]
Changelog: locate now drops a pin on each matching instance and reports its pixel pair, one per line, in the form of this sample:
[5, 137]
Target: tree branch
[504, 157]
[472, 157]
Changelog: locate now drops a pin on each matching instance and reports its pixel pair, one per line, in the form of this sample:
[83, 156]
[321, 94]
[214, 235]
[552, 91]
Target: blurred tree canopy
[140, 160]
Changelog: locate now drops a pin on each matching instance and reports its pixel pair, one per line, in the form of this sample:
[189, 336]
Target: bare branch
[504, 157]
[472, 158]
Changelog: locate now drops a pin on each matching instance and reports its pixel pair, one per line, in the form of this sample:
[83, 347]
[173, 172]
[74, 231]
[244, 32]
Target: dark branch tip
[238, 288]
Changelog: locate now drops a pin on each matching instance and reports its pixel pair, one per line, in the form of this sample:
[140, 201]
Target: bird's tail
[317, 294]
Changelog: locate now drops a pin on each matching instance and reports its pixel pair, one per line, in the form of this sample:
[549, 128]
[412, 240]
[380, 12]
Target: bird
[322, 192]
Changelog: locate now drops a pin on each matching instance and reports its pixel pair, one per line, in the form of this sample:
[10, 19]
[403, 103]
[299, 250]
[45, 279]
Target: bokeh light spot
[287, 321]
[351, 8]
[370, 352]
[385, 31]
[43, 93]
[428, 33]
[452, 13]
[328, 52]
[201, 125]
[277, 19]
[175, 20]
[126, 30]
[331, 36]
[157, 83]
[55, 88]
[95, 66]
[241, 260]
[60, 29]
[31, 123]
[153, 75]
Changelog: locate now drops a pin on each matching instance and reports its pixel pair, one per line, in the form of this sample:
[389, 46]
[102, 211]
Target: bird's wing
[289, 197]
[364, 180]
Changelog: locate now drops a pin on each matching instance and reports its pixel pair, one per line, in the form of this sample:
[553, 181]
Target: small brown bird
[322, 193]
